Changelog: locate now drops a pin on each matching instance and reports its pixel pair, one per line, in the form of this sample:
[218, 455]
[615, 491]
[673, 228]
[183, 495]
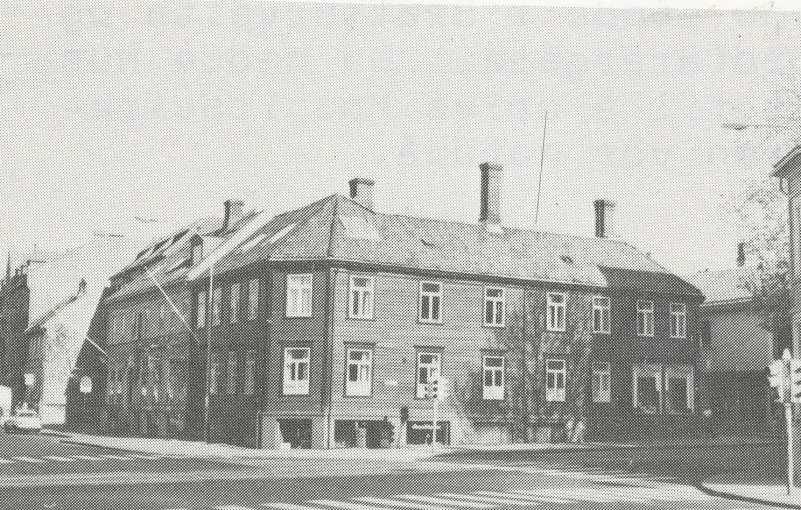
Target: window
[493, 368]
[494, 307]
[361, 297]
[429, 366]
[645, 318]
[216, 305]
[197, 253]
[214, 374]
[360, 372]
[296, 371]
[601, 382]
[230, 387]
[201, 309]
[556, 311]
[250, 372]
[678, 320]
[253, 299]
[647, 387]
[298, 295]
[235, 296]
[430, 302]
[555, 375]
[601, 321]
[679, 389]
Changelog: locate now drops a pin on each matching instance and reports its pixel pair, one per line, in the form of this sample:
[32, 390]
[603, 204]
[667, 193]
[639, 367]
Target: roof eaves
[780, 169]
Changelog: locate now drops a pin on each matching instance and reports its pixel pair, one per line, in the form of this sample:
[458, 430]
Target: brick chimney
[604, 218]
[740, 254]
[490, 193]
[234, 210]
[361, 191]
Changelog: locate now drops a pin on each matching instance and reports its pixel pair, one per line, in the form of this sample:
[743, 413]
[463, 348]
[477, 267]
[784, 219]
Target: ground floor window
[363, 434]
[419, 432]
[601, 382]
[679, 389]
[555, 376]
[663, 388]
[296, 433]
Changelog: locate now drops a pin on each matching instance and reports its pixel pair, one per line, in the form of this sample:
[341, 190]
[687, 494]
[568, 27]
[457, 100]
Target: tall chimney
[490, 193]
[604, 218]
[233, 212]
[361, 191]
[740, 254]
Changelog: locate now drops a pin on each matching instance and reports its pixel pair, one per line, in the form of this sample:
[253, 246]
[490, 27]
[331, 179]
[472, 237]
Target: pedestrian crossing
[64, 459]
[582, 497]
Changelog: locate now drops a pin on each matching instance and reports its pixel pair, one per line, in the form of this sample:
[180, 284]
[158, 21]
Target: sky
[161, 111]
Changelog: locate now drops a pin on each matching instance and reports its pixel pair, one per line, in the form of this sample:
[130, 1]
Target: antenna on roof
[542, 159]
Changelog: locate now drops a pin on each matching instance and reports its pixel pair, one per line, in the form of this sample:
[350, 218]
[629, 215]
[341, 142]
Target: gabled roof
[338, 228]
[789, 162]
[725, 286]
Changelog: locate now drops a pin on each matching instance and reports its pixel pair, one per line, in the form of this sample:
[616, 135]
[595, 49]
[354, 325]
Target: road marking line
[512, 495]
[59, 459]
[542, 497]
[115, 457]
[145, 457]
[29, 459]
[5, 461]
[233, 507]
[446, 502]
[345, 505]
[85, 457]
[401, 504]
[288, 506]
[484, 499]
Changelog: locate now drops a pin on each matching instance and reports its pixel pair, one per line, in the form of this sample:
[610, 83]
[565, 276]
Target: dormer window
[197, 253]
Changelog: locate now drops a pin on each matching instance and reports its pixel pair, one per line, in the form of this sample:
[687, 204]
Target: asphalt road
[289, 484]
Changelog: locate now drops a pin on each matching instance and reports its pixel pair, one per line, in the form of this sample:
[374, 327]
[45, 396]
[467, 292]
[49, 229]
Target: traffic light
[781, 376]
[795, 380]
[435, 389]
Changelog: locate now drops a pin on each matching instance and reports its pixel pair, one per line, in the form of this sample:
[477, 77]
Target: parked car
[24, 420]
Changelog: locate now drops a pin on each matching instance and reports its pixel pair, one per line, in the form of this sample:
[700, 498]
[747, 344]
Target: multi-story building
[325, 324]
[788, 169]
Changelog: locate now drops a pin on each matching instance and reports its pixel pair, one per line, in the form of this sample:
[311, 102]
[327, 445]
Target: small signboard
[86, 384]
[30, 379]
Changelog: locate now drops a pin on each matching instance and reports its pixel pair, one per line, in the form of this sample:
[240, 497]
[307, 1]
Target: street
[42, 472]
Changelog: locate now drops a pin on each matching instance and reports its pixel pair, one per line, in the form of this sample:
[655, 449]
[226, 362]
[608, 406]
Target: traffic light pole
[788, 417]
[434, 429]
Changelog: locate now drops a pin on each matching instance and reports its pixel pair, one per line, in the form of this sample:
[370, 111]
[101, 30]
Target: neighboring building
[738, 341]
[788, 169]
[326, 322]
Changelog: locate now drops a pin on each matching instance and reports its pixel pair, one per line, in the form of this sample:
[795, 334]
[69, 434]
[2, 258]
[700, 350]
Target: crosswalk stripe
[233, 507]
[86, 457]
[445, 502]
[115, 457]
[345, 505]
[400, 504]
[600, 497]
[59, 459]
[5, 461]
[524, 497]
[287, 506]
[542, 497]
[145, 457]
[484, 499]
[28, 459]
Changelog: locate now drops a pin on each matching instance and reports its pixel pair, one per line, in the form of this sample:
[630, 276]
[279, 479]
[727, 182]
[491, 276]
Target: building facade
[788, 169]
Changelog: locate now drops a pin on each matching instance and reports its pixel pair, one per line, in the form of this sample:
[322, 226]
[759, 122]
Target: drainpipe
[329, 354]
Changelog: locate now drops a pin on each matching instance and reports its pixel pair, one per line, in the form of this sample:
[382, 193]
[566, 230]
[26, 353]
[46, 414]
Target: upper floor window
[494, 306]
[429, 367]
[201, 309]
[645, 318]
[359, 380]
[678, 320]
[298, 295]
[249, 384]
[296, 370]
[556, 303]
[235, 297]
[601, 382]
[253, 299]
[430, 302]
[230, 387]
[494, 377]
[555, 378]
[216, 306]
[601, 316]
[361, 297]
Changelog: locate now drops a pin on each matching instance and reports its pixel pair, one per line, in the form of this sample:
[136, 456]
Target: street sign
[30, 379]
[86, 384]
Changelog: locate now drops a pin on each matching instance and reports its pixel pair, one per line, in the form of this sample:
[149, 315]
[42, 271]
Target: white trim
[431, 296]
[365, 295]
[496, 303]
[605, 312]
[296, 382]
[647, 332]
[681, 320]
[553, 320]
[363, 385]
[433, 371]
[556, 392]
[493, 391]
[602, 370]
[299, 292]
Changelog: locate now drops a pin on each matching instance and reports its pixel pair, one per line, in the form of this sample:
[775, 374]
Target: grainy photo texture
[332, 256]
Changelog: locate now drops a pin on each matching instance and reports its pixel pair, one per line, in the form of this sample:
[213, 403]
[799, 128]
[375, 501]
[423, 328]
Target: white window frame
[494, 306]
[496, 374]
[432, 370]
[249, 383]
[678, 320]
[363, 385]
[602, 311]
[253, 299]
[685, 372]
[556, 316]
[647, 370]
[429, 297]
[202, 303]
[236, 297]
[299, 294]
[293, 384]
[230, 372]
[601, 381]
[647, 313]
[361, 298]
[555, 370]
[216, 307]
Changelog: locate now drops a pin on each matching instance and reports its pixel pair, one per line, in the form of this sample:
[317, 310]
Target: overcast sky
[162, 111]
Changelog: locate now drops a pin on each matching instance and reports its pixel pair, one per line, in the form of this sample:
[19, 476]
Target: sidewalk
[765, 489]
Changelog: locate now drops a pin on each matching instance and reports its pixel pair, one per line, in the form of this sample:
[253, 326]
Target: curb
[54, 433]
[601, 447]
[745, 499]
